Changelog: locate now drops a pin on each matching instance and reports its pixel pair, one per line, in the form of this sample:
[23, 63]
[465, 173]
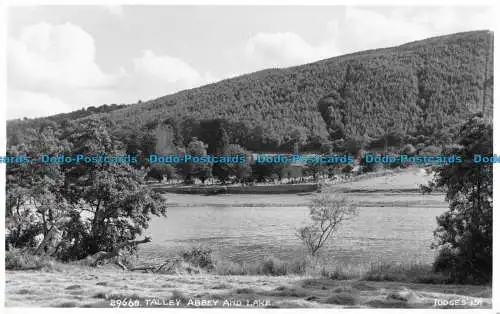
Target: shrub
[406, 272]
[199, 257]
[17, 259]
[269, 266]
[341, 273]
[229, 268]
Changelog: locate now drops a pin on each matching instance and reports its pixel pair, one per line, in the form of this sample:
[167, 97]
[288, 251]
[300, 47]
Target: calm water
[249, 233]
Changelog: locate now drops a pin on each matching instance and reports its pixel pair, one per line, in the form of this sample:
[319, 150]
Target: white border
[496, 170]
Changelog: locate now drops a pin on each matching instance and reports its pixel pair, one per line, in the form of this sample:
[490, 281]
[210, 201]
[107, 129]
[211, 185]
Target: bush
[199, 257]
[229, 268]
[405, 272]
[276, 267]
[445, 260]
[17, 259]
[269, 266]
[21, 232]
[342, 272]
[449, 261]
[273, 266]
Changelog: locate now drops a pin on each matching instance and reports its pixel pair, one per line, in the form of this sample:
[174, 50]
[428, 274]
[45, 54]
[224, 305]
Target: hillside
[421, 88]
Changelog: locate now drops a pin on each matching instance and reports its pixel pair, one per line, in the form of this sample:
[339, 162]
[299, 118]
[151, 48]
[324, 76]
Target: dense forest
[416, 93]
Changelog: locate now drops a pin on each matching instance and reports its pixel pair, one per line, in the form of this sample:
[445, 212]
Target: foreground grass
[43, 282]
[82, 286]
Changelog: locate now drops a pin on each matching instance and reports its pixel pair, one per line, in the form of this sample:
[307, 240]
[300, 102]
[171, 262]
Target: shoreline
[360, 205]
[238, 189]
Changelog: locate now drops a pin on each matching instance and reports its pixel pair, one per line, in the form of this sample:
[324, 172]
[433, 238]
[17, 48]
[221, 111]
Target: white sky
[63, 58]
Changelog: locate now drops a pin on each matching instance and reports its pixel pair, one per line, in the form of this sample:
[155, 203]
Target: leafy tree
[219, 146]
[34, 193]
[161, 171]
[314, 170]
[214, 134]
[332, 109]
[165, 136]
[354, 145]
[408, 149]
[95, 205]
[465, 232]
[240, 171]
[298, 138]
[191, 170]
[267, 171]
[114, 206]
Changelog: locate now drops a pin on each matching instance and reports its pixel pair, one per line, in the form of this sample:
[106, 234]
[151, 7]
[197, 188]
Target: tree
[220, 147]
[465, 232]
[298, 137]
[327, 212]
[239, 170]
[326, 148]
[332, 109]
[213, 133]
[34, 199]
[94, 205]
[354, 145]
[314, 169]
[160, 171]
[110, 202]
[165, 136]
[189, 170]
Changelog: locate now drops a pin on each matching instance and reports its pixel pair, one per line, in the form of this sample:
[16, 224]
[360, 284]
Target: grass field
[399, 189]
[81, 286]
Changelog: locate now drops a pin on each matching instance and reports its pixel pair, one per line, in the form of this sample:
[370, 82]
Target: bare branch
[327, 212]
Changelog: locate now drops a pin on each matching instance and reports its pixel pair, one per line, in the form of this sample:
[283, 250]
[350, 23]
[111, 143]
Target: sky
[64, 58]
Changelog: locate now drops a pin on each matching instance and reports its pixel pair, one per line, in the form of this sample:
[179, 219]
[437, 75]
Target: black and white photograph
[249, 156]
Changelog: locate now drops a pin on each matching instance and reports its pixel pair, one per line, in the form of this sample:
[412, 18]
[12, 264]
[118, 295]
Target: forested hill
[421, 89]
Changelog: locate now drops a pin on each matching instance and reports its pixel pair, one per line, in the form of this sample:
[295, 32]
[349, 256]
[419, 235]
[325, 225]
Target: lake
[243, 233]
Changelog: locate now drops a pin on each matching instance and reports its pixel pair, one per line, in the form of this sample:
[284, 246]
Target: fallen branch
[157, 268]
[101, 257]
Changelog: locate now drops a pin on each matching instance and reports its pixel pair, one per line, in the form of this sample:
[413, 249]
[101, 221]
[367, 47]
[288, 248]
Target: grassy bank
[409, 272]
[201, 275]
[82, 286]
[204, 261]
